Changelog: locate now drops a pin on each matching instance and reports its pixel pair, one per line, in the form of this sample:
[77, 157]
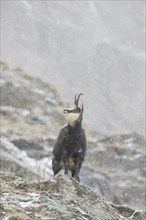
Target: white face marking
[71, 118]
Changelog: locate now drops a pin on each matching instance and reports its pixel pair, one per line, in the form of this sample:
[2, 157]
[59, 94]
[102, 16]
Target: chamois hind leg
[55, 166]
[66, 162]
[66, 167]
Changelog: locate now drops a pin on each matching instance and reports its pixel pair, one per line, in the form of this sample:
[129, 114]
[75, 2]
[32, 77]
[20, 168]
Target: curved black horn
[77, 101]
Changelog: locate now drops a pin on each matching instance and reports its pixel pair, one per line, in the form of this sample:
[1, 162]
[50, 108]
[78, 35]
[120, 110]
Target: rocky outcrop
[59, 198]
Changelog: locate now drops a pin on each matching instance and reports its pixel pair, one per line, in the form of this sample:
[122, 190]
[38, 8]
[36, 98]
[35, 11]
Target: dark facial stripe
[75, 110]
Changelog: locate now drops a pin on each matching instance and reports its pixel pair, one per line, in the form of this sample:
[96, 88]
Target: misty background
[94, 47]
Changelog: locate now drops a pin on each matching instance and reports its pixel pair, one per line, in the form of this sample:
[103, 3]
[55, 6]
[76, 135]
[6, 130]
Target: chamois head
[74, 115]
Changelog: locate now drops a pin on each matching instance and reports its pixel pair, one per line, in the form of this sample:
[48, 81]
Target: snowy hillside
[94, 47]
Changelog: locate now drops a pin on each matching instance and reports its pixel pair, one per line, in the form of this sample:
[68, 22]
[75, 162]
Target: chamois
[70, 147]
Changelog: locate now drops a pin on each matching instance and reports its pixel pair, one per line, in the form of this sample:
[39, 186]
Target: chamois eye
[65, 111]
[78, 110]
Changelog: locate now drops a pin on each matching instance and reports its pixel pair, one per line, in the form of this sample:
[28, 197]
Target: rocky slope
[31, 117]
[59, 198]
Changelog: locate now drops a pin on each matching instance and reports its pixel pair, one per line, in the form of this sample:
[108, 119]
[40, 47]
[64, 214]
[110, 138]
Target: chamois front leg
[75, 172]
[66, 161]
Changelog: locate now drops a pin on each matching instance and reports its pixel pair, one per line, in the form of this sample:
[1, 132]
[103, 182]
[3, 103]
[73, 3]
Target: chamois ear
[82, 107]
